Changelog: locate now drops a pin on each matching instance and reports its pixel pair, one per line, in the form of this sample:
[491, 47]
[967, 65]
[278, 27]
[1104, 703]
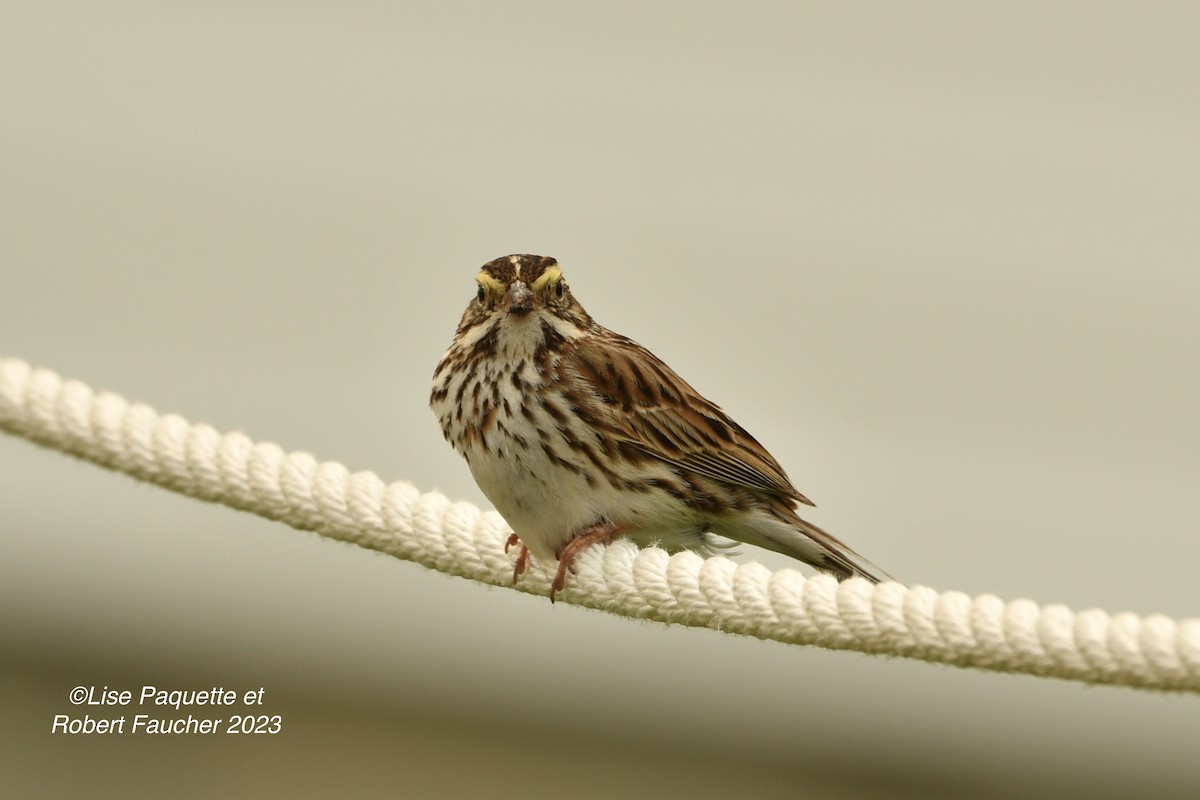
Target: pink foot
[601, 533]
[522, 558]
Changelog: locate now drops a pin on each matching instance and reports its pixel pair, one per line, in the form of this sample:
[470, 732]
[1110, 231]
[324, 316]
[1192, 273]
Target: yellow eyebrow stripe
[551, 275]
[489, 283]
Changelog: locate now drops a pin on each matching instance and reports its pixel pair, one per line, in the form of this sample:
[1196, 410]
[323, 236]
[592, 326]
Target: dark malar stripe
[552, 341]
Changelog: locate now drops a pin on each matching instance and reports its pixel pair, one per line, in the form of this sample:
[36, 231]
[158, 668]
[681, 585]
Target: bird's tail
[816, 546]
[839, 559]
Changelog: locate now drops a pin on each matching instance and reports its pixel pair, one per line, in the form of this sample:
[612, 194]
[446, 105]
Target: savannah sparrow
[577, 435]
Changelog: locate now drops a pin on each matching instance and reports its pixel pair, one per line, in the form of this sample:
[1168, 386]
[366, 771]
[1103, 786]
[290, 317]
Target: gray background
[940, 258]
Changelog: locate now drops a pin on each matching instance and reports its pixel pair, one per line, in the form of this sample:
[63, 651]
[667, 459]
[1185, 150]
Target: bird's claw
[601, 533]
[522, 557]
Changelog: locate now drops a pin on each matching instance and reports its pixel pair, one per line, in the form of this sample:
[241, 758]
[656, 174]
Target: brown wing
[656, 411]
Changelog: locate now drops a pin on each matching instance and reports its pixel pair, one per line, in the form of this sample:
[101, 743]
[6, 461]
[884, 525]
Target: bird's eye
[481, 294]
[558, 290]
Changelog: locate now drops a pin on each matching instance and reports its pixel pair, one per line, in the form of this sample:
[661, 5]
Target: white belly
[544, 503]
[547, 504]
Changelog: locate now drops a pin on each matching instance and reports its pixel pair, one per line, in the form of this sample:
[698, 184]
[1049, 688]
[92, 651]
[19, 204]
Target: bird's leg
[522, 557]
[600, 533]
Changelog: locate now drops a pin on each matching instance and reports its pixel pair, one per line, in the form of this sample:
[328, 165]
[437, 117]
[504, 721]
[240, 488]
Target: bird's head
[522, 300]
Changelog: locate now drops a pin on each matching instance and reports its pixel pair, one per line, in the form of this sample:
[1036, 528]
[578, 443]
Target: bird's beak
[520, 299]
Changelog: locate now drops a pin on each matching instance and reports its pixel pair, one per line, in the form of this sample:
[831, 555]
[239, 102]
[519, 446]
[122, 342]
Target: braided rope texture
[1153, 652]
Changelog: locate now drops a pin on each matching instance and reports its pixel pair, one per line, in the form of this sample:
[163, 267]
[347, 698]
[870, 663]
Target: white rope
[457, 538]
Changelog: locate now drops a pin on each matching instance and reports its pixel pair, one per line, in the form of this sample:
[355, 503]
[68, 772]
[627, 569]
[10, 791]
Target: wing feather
[661, 415]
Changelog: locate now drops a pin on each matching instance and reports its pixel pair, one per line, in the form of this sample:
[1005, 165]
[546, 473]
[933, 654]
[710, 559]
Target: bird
[579, 435]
